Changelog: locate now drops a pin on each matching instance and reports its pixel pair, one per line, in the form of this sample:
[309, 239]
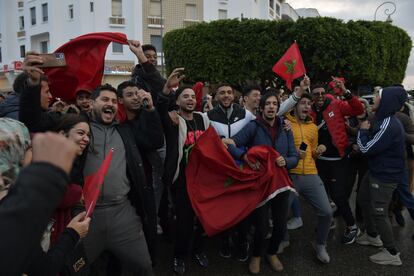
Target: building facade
[44, 25]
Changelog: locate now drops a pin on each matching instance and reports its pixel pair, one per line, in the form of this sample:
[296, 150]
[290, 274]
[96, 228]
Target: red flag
[93, 184]
[290, 66]
[85, 58]
[223, 193]
[198, 89]
[338, 91]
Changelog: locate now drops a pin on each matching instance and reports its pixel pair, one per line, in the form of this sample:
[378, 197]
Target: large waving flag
[93, 184]
[85, 58]
[290, 66]
[223, 193]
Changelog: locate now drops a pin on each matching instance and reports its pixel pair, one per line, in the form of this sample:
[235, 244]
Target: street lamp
[386, 11]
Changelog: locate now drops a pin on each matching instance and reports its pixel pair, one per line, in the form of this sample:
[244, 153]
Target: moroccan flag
[85, 58]
[290, 66]
[93, 184]
[222, 193]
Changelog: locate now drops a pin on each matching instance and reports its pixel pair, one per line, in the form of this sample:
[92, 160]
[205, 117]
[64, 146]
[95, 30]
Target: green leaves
[240, 52]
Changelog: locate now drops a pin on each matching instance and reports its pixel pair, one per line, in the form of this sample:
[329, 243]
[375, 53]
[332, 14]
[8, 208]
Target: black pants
[186, 235]
[335, 176]
[279, 207]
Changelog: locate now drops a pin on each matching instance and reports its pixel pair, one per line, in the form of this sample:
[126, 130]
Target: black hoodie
[384, 144]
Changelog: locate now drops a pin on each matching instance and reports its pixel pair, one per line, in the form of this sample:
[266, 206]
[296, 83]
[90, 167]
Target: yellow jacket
[306, 132]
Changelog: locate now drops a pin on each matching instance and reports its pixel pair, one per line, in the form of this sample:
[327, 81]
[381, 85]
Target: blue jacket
[255, 134]
[384, 144]
[10, 106]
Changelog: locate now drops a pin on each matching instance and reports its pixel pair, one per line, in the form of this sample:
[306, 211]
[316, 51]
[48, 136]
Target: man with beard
[190, 127]
[125, 200]
[329, 115]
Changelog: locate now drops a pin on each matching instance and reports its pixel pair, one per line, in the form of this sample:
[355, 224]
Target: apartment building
[44, 25]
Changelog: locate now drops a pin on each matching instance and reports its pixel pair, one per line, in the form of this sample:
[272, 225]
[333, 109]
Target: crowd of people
[328, 143]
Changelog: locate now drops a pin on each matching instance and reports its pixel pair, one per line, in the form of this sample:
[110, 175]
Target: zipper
[301, 136]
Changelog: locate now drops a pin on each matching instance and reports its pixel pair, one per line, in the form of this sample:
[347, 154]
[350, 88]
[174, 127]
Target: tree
[241, 52]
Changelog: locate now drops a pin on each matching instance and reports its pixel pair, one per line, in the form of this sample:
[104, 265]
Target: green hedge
[240, 52]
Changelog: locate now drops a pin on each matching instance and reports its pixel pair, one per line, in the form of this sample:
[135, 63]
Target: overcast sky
[365, 9]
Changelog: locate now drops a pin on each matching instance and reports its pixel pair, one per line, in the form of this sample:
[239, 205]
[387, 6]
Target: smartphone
[303, 146]
[53, 60]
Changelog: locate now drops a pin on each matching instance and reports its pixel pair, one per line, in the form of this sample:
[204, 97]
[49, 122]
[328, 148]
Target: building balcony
[271, 13]
[119, 21]
[21, 34]
[20, 4]
[190, 22]
[155, 22]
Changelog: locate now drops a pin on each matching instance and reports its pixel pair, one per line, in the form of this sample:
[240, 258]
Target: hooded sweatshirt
[384, 144]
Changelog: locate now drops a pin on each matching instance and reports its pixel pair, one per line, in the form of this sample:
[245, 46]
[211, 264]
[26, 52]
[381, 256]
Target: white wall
[61, 29]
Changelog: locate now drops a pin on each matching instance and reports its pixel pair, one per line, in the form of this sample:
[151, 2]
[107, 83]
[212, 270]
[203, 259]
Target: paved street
[299, 259]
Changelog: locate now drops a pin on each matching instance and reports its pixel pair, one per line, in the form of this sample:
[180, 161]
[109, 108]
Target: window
[1, 59]
[33, 15]
[190, 11]
[70, 11]
[155, 8]
[45, 12]
[156, 40]
[22, 51]
[91, 6]
[272, 4]
[43, 47]
[21, 22]
[117, 48]
[117, 8]
[278, 9]
[222, 14]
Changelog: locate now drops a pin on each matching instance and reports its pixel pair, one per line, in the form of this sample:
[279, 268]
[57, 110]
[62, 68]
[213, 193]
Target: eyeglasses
[318, 94]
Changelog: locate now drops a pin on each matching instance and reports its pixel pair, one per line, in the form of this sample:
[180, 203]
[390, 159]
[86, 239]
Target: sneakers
[225, 250]
[321, 253]
[179, 266]
[350, 235]
[282, 246]
[294, 223]
[243, 252]
[201, 259]
[254, 265]
[385, 258]
[366, 239]
[274, 262]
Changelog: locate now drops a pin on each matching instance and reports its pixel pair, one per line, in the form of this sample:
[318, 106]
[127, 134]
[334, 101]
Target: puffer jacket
[307, 133]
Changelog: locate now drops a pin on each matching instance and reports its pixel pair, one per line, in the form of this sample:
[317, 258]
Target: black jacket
[25, 212]
[52, 262]
[148, 78]
[145, 132]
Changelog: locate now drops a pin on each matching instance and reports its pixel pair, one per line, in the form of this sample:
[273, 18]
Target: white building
[308, 12]
[44, 25]
[229, 9]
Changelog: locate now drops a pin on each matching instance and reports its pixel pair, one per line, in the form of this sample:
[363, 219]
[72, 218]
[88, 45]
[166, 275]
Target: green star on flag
[290, 66]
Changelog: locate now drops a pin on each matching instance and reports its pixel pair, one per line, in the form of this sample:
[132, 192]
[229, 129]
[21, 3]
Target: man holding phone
[305, 175]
